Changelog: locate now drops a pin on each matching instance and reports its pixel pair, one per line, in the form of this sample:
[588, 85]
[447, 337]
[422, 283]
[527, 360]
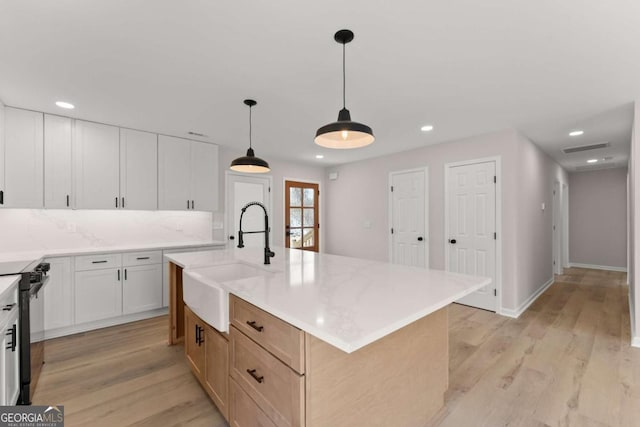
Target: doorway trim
[427, 243]
[498, 269]
[321, 222]
[228, 215]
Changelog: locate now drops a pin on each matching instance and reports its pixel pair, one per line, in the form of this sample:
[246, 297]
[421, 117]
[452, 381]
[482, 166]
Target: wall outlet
[366, 224]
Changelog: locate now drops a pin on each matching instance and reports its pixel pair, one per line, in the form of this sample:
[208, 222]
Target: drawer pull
[254, 326]
[255, 376]
[142, 257]
[8, 307]
[98, 262]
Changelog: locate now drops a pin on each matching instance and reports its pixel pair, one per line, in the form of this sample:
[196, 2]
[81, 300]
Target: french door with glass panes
[301, 215]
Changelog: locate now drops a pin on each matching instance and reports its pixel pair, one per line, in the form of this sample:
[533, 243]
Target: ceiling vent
[585, 148]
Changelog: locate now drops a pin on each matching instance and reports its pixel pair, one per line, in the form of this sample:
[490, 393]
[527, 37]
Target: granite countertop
[346, 302]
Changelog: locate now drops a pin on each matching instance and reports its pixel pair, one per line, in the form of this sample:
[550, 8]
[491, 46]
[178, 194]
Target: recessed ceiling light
[592, 161]
[319, 156]
[67, 105]
[576, 133]
[426, 128]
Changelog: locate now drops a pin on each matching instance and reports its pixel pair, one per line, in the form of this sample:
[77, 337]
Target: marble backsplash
[31, 229]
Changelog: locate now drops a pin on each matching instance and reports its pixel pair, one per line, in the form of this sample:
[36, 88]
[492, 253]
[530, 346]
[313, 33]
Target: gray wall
[360, 194]
[634, 229]
[535, 178]
[598, 217]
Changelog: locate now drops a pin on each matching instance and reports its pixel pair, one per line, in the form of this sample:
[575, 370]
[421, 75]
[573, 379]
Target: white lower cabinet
[98, 294]
[142, 288]
[58, 294]
[10, 350]
[11, 360]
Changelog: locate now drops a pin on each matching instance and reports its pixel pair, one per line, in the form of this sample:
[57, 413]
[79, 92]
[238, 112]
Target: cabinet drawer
[10, 297]
[141, 258]
[98, 261]
[283, 340]
[276, 388]
[243, 411]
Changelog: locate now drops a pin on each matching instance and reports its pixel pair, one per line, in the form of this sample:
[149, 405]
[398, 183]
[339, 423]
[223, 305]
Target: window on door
[301, 213]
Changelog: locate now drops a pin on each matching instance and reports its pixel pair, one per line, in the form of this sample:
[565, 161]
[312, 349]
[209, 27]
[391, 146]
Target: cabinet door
[57, 165]
[204, 176]
[23, 159]
[194, 342]
[96, 163]
[138, 170]
[58, 295]
[216, 369]
[142, 288]
[174, 173]
[11, 361]
[98, 295]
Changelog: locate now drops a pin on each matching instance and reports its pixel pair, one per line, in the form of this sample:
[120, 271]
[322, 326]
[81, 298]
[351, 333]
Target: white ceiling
[467, 67]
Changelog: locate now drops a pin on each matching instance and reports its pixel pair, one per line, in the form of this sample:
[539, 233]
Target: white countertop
[346, 302]
[7, 282]
[16, 262]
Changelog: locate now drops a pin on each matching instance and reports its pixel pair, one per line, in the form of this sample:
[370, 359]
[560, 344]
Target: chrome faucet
[268, 254]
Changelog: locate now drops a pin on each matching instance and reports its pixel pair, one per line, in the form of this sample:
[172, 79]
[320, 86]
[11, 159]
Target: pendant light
[250, 163]
[344, 133]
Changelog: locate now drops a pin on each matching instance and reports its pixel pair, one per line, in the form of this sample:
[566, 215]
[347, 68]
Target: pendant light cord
[344, 77]
[250, 126]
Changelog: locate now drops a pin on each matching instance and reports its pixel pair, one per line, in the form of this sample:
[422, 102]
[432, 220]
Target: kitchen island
[322, 340]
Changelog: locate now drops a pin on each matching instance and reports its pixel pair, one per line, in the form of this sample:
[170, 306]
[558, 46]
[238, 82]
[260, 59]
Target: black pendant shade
[344, 133]
[250, 163]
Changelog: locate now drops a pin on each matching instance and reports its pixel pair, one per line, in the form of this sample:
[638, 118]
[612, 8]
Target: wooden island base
[398, 380]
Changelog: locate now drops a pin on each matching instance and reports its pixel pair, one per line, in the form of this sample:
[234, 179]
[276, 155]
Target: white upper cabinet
[174, 173]
[138, 170]
[96, 164]
[57, 165]
[188, 175]
[23, 159]
[204, 176]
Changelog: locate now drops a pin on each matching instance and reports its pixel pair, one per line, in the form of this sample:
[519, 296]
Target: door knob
[452, 241]
[232, 237]
[420, 239]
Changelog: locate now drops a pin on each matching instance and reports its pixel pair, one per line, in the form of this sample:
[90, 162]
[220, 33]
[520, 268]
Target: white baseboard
[517, 312]
[598, 267]
[635, 342]
[99, 324]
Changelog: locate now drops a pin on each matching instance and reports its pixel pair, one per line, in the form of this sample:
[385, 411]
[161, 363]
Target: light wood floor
[565, 362]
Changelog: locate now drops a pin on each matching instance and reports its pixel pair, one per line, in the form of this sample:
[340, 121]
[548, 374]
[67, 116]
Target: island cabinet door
[243, 411]
[194, 342]
[216, 369]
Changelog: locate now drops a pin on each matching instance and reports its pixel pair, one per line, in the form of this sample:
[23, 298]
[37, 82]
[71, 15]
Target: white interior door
[471, 216]
[557, 229]
[409, 243]
[242, 189]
